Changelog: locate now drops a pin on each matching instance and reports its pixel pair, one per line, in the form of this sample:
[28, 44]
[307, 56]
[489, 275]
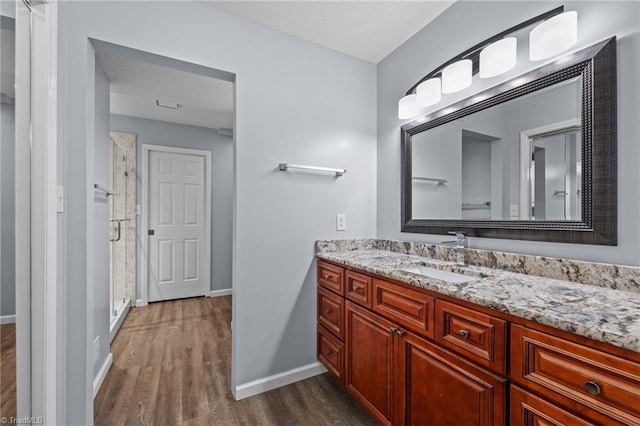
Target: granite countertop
[603, 314]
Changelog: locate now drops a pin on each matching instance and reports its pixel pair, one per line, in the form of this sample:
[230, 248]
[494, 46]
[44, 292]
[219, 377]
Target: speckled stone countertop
[601, 313]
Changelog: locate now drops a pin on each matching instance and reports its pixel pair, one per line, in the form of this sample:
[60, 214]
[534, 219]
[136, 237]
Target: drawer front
[358, 288]
[331, 353]
[331, 312]
[568, 372]
[331, 277]
[529, 410]
[479, 337]
[411, 308]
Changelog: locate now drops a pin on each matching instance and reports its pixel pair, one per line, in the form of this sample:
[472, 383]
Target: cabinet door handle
[464, 334]
[327, 311]
[400, 332]
[592, 388]
[327, 353]
[393, 330]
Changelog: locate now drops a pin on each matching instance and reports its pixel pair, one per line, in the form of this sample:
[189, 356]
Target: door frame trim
[144, 273]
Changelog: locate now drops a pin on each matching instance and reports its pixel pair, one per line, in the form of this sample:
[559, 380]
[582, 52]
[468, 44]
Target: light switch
[341, 222]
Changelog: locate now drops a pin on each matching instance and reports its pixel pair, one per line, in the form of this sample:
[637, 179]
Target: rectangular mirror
[533, 158]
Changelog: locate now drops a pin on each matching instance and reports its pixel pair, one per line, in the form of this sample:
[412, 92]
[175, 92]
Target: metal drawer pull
[357, 289]
[464, 334]
[327, 353]
[326, 277]
[591, 387]
[327, 311]
[393, 330]
[400, 332]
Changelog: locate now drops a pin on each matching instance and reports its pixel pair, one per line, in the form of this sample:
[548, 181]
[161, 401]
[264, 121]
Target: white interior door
[176, 226]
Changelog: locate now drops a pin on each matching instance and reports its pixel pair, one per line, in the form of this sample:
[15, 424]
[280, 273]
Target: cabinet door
[369, 361]
[529, 410]
[435, 387]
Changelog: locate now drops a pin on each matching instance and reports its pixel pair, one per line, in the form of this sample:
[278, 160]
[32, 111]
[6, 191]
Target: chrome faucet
[459, 245]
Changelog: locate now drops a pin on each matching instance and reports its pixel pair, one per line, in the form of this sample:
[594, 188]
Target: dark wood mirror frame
[598, 225]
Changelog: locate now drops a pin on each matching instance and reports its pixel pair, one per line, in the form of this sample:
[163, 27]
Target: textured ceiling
[136, 85]
[368, 30]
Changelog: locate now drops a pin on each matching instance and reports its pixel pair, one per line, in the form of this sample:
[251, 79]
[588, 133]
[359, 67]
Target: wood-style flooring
[172, 365]
[7, 370]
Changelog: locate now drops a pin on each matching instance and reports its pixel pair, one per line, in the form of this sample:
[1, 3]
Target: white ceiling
[137, 84]
[365, 29]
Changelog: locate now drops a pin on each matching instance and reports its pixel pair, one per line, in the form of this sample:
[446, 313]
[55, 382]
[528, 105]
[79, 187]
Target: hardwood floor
[172, 365]
[7, 370]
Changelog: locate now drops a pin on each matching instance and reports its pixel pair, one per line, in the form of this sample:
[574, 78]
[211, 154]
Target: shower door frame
[37, 203]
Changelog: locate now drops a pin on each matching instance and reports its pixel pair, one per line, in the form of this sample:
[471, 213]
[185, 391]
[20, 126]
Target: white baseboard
[97, 382]
[7, 319]
[218, 293]
[278, 380]
[139, 303]
[115, 325]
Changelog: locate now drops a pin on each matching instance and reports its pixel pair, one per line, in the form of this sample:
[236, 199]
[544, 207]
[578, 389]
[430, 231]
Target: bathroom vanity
[417, 339]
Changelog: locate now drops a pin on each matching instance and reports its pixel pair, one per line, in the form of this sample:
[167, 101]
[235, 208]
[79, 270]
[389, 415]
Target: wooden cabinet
[601, 386]
[331, 277]
[403, 379]
[331, 312]
[411, 308]
[478, 336]
[369, 364]
[413, 357]
[358, 288]
[331, 353]
[436, 387]
[529, 410]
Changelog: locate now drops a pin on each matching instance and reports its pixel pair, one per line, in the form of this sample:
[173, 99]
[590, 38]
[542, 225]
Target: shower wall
[122, 181]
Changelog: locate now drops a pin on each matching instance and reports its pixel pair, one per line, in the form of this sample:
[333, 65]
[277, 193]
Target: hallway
[172, 365]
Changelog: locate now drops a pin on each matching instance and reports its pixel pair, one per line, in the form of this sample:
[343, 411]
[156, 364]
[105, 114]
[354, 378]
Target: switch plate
[341, 222]
[138, 210]
[513, 210]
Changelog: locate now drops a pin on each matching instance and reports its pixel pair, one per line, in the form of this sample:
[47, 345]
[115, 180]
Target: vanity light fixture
[407, 106]
[498, 57]
[553, 36]
[457, 76]
[429, 92]
[556, 32]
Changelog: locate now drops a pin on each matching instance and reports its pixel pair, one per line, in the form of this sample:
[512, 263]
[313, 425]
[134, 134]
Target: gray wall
[154, 132]
[101, 271]
[425, 51]
[295, 102]
[7, 211]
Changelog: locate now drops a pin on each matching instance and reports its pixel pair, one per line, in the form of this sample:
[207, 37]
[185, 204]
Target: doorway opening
[166, 127]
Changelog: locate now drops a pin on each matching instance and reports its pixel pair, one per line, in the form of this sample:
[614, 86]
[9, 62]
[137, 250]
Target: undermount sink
[438, 274]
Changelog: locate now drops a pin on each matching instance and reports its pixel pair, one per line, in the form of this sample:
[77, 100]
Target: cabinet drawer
[410, 308]
[568, 372]
[358, 288]
[331, 312]
[529, 410]
[331, 353]
[479, 337]
[331, 277]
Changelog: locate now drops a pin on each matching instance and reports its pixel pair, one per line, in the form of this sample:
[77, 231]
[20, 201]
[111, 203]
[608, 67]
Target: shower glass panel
[122, 183]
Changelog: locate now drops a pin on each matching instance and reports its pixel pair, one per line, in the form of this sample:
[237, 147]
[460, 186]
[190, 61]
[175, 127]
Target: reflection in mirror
[519, 160]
